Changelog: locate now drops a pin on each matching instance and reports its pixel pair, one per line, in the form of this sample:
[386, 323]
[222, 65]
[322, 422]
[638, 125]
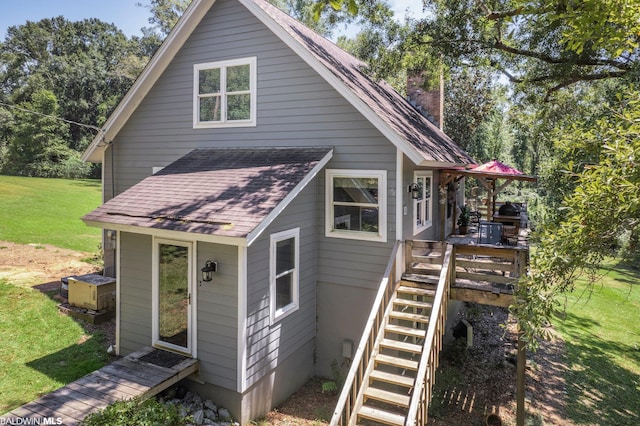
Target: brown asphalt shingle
[432, 143]
[221, 191]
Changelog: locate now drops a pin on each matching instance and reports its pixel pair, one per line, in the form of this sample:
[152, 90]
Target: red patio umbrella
[489, 173]
[495, 166]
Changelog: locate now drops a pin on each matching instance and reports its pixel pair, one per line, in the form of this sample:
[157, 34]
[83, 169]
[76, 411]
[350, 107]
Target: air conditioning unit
[92, 291]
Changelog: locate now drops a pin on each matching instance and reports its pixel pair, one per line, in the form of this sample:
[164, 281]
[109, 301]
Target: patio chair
[510, 235]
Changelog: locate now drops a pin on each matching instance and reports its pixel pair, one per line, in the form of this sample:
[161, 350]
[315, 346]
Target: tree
[549, 44]
[601, 155]
[468, 102]
[88, 65]
[545, 44]
[38, 147]
[165, 14]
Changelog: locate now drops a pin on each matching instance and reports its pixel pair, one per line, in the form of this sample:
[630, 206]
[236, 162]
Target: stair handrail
[419, 403]
[353, 381]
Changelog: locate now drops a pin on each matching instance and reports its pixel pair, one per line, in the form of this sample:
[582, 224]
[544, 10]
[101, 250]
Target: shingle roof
[226, 192]
[431, 142]
[402, 124]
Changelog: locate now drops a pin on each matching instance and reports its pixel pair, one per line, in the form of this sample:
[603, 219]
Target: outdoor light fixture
[208, 270]
[414, 190]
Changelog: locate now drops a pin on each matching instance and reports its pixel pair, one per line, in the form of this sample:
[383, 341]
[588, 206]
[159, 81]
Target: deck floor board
[125, 378]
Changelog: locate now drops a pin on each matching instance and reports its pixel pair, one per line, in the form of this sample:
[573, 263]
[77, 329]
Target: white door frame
[155, 298]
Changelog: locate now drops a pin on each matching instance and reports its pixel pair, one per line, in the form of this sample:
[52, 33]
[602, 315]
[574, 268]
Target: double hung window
[356, 204]
[284, 273]
[423, 205]
[225, 93]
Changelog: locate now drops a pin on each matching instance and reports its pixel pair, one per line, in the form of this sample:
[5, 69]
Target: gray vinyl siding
[295, 106]
[217, 316]
[268, 345]
[135, 292]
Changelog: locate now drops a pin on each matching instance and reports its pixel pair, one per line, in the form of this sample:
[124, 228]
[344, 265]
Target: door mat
[162, 358]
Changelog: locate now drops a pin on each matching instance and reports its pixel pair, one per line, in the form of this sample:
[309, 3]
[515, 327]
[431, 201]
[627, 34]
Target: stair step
[394, 379]
[428, 266]
[401, 346]
[397, 362]
[408, 317]
[413, 303]
[406, 331]
[422, 275]
[381, 416]
[387, 397]
[418, 291]
[421, 278]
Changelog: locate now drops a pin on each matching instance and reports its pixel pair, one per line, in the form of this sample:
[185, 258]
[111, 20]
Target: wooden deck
[484, 273]
[140, 374]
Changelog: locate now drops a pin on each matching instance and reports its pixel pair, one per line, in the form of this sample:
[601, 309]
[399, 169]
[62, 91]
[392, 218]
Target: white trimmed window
[224, 93]
[284, 273]
[423, 206]
[356, 204]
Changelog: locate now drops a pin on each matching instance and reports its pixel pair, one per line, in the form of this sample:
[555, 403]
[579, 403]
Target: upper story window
[284, 273]
[225, 93]
[356, 204]
[423, 206]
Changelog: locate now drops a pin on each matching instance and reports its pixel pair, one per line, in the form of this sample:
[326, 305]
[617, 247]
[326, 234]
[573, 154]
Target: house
[255, 183]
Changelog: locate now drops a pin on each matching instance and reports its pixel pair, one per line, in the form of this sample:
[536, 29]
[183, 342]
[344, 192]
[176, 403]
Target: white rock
[224, 414]
[198, 417]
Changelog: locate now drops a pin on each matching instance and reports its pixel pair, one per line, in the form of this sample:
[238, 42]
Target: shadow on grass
[599, 390]
[75, 361]
[87, 183]
[627, 273]
[72, 362]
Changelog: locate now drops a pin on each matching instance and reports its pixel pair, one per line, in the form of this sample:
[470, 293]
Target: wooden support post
[521, 370]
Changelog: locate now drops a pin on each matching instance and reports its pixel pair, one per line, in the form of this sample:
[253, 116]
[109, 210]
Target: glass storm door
[173, 303]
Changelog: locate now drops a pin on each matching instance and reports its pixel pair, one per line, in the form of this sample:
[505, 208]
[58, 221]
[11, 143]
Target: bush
[72, 167]
[136, 413]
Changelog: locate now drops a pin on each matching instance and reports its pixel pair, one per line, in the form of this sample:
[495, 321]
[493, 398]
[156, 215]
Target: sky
[123, 13]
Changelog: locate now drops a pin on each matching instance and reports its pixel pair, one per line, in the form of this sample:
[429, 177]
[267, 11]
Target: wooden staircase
[393, 369]
[390, 378]
[424, 261]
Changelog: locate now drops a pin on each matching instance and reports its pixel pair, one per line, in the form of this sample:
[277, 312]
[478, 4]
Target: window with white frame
[356, 204]
[423, 205]
[284, 273]
[225, 93]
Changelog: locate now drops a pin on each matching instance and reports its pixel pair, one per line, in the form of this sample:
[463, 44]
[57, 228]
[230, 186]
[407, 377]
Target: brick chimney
[430, 103]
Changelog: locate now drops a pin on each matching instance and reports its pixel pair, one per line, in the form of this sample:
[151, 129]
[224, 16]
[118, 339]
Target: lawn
[42, 350]
[48, 211]
[601, 330]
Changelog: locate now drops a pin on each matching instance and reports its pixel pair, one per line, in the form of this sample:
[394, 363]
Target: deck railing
[479, 264]
[499, 264]
[425, 378]
[362, 357]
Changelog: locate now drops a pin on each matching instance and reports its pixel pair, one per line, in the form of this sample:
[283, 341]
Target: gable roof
[387, 110]
[232, 192]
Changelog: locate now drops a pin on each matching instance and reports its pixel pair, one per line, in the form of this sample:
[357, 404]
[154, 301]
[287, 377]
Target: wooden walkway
[141, 374]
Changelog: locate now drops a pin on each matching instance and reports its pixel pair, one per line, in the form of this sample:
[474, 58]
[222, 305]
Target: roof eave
[439, 164]
[166, 233]
[145, 81]
[393, 136]
[257, 231]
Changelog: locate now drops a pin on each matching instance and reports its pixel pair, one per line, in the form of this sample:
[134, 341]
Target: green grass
[48, 211]
[42, 350]
[601, 330]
